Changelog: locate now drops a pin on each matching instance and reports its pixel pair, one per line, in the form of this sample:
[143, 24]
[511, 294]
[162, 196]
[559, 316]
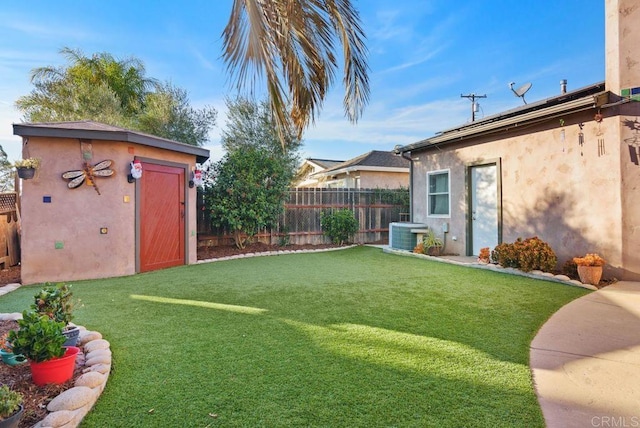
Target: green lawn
[351, 338]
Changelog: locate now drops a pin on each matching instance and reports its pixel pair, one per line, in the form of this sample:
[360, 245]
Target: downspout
[410, 159]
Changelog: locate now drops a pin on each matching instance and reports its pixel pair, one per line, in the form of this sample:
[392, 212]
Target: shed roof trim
[90, 130]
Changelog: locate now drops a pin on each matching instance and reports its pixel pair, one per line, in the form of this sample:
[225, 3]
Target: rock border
[69, 408]
[535, 274]
[275, 253]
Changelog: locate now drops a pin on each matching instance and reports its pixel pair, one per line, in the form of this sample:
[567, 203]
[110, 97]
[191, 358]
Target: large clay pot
[57, 370]
[590, 274]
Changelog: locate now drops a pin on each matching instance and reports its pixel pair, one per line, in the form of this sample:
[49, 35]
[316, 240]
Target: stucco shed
[108, 225]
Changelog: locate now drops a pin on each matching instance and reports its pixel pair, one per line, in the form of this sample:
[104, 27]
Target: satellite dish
[521, 90]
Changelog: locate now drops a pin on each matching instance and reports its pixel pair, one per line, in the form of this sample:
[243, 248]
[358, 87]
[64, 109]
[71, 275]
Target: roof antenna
[521, 90]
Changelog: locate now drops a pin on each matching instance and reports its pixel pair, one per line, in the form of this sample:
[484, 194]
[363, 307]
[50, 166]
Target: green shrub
[570, 268]
[339, 226]
[10, 402]
[39, 338]
[530, 254]
[55, 302]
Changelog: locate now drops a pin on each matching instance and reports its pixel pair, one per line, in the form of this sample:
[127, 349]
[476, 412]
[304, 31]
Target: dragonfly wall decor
[88, 174]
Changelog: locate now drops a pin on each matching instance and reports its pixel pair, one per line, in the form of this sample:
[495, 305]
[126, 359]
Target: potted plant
[589, 268]
[27, 167]
[55, 301]
[10, 407]
[6, 352]
[39, 338]
[431, 243]
[484, 257]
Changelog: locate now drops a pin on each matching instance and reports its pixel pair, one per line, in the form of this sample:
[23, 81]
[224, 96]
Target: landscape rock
[71, 399]
[91, 379]
[99, 359]
[58, 419]
[88, 336]
[95, 345]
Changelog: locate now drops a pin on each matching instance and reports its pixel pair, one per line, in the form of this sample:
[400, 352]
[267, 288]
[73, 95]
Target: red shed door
[162, 213]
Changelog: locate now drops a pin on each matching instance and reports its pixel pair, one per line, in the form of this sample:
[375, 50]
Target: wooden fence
[300, 222]
[9, 230]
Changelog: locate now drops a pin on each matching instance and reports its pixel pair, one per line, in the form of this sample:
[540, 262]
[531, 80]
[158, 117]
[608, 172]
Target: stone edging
[274, 253]
[71, 406]
[535, 274]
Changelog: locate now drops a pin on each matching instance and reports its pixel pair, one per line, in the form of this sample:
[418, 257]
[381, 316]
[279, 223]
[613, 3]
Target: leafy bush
[570, 268]
[505, 255]
[39, 337]
[55, 302]
[339, 226]
[530, 254]
[10, 402]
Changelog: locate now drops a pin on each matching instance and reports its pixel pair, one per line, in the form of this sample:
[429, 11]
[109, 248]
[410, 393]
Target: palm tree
[125, 78]
[292, 44]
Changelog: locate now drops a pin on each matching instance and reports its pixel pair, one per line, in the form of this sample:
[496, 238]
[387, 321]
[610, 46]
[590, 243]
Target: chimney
[563, 86]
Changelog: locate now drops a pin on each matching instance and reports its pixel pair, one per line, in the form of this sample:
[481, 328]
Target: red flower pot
[57, 370]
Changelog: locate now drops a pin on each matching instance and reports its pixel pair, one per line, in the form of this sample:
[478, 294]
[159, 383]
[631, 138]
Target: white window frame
[429, 194]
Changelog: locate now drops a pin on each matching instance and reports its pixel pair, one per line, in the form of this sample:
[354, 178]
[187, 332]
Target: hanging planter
[27, 167]
[26, 173]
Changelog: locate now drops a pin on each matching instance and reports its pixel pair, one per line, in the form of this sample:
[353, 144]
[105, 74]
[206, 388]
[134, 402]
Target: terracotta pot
[590, 274]
[57, 370]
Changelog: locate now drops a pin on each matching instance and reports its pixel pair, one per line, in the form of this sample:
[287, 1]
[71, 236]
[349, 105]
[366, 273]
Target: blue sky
[423, 55]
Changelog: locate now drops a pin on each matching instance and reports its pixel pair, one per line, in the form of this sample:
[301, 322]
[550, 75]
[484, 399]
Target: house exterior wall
[366, 180]
[74, 218]
[383, 180]
[622, 49]
[566, 194]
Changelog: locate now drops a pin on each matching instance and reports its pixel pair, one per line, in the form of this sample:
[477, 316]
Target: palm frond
[290, 43]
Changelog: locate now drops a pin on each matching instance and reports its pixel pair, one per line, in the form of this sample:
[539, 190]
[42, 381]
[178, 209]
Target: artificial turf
[350, 338]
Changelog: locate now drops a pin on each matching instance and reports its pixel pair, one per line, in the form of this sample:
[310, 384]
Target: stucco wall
[74, 217]
[568, 195]
[383, 180]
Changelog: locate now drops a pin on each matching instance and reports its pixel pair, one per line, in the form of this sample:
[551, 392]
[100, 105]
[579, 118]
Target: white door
[484, 207]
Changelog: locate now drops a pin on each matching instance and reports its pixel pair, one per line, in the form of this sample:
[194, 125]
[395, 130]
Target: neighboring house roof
[571, 102]
[90, 130]
[374, 160]
[323, 163]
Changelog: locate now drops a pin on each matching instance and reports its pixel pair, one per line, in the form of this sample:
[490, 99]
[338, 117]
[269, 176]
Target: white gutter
[574, 106]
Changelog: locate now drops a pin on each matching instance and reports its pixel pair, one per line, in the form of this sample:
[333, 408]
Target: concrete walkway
[586, 360]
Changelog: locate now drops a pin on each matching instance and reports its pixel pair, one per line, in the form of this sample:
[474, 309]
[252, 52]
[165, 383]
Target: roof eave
[514, 120]
[200, 153]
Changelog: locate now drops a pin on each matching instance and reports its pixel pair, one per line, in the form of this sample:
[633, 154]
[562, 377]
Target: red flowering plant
[590, 259]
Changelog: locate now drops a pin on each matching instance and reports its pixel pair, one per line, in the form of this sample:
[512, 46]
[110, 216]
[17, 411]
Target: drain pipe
[404, 155]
